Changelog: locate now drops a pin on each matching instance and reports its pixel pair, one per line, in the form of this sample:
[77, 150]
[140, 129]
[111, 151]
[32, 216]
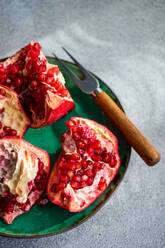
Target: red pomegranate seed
[6, 129]
[83, 184]
[88, 173]
[61, 164]
[89, 162]
[69, 124]
[98, 165]
[84, 164]
[13, 132]
[113, 162]
[64, 178]
[97, 151]
[102, 184]
[17, 82]
[9, 209]
[65, 196]
[105, 157]
[42, 68]
[74, 129]
[84, 177]
[53, 70]
[80, 144]
[2, 110]
[42, 172]
[85, 141]
[69, 173]
[41, 77]
[95, 172]
[61, 186]
[41, 186]
[33, 84]
[26, 207]
[40, 165]
[63, 92]
[2, 92]
[38, 178]
[96, 144]
[89, 181]
[77, 165]
[50, 80]
[76, 136]
[96, 157]
[80, 151]
[70, 166]
[80, 172]
[76, 178]
[90, 150]
[75, 185]
[43, 177]
[37, 46]
[67, 156]
[73, 156]
[33, 53]
[0, 125]
[14, 69]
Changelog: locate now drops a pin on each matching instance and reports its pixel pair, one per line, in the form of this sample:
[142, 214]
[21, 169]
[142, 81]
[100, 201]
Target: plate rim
[94, 211]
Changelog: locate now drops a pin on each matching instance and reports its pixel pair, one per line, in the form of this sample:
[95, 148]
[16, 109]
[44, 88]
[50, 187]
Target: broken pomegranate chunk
[24, 170]
[13, 120]
[78, 178]
[40, 85]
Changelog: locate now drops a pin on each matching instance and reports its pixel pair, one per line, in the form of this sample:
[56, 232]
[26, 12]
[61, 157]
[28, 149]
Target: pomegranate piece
[13, 120]
[90, 172]
[40, 85]
[24, 170]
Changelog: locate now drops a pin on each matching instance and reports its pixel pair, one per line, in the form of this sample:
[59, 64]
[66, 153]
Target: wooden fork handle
[134, 137]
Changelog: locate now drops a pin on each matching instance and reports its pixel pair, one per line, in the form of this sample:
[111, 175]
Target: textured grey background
[123, 42]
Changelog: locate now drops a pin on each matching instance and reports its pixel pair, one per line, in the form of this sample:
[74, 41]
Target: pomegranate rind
[15, 116]
[55, 107]
[72, 201]
[35, 153]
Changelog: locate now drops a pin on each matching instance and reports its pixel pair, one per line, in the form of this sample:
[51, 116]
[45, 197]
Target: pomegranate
[88, 162]
[40, 85]
[24, 170]
[13, 120]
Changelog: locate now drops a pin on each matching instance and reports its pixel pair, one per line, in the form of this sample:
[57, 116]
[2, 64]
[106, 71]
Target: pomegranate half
[13, 120]
[40, 85]
[24, 170]
[88, 162]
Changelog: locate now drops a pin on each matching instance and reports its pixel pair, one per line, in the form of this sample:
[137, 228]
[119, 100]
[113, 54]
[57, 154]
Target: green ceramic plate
[51, 219]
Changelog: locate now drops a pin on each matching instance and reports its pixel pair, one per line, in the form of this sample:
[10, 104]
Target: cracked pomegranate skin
[13, 120]
[23, 175]
[39, 85]
[88, 162]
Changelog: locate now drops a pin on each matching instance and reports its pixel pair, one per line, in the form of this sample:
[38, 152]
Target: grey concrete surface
[123, 42]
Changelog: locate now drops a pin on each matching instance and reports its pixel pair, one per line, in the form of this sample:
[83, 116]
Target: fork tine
[71, 74]
[86, 73]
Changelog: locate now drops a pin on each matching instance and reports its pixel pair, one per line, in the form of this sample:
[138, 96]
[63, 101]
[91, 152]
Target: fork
[90, 85]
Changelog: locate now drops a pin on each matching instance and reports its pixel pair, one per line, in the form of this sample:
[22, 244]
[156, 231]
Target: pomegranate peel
[98, 164]
[13, 120]
[23, 174]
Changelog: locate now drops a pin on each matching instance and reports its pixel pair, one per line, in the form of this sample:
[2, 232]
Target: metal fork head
[89, 84]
